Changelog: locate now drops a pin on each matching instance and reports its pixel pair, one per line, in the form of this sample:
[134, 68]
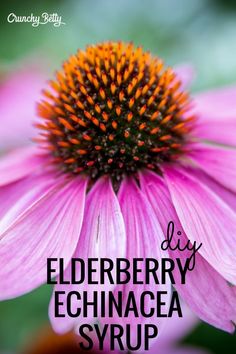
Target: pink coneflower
[123, 155]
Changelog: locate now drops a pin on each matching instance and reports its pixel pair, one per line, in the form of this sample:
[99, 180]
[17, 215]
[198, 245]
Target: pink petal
[218, 131]
[102, 236]
[206, 219]
[218, 306]
[144, 237]
[50, 228]
[178, 327]
[216, 111]
[185, 73]
[169, 340]
[19, 164]
[141, 224]
[217, 162]
[217, 104]
[18, 96]
[17, 197]
[12, 192]
[227, 195]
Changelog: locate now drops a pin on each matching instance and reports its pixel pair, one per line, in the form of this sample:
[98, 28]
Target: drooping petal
[216, 114]
[178, 327]
[50, 228]
[217, 162]
[103, 232]
[19, 164]
[169, 341]
[11, 193]
[216, 131]
[144, 237]
[18, 96]
[227, 195]
[102, 236]
[206, 291]
[217, 104]
[17, 197]
[142, 226]
[206, 219]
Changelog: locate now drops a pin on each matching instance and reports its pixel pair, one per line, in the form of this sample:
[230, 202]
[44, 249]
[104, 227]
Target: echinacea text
[128, 290]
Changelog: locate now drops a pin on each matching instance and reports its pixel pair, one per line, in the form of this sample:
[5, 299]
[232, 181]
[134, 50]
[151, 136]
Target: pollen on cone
[115, 109]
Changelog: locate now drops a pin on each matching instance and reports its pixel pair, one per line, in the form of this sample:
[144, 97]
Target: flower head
[123, 157]
[114, 110]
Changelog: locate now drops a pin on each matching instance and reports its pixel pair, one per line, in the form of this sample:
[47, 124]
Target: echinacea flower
[123, 153]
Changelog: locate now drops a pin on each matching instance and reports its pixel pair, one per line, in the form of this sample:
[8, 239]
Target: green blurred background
[200, 32]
